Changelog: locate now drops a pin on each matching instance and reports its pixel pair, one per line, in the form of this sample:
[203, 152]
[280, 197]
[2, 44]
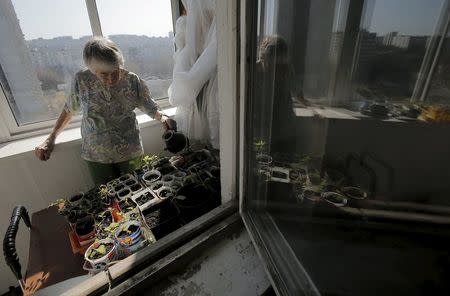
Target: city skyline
[152, 19]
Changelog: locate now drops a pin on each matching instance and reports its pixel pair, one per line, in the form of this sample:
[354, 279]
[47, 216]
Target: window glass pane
[143, 30]
[339, 160]
[392, 45]
[41, 49]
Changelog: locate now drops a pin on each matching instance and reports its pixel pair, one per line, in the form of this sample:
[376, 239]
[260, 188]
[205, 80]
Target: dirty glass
[346, 152]
[40, 55]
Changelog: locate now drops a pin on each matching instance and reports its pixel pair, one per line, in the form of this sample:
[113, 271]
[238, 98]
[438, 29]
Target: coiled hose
[9, 242]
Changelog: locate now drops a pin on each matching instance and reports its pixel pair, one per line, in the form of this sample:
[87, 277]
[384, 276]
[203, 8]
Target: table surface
[51, 259]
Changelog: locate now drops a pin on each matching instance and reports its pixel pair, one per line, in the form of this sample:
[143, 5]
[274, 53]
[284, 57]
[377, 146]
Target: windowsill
[67, 137]
[341, 113]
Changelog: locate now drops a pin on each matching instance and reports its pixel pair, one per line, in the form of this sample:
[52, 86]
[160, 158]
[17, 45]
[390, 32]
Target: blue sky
[52, 18]
[408, 17]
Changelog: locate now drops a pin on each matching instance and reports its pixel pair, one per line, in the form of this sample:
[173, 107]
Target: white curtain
[194, 87]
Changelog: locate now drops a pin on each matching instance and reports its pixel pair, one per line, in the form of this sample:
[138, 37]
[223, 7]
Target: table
[50, 259]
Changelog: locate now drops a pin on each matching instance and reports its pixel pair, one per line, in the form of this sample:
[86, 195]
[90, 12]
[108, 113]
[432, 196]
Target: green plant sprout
[150, 158]
[57, 202]
[259, 145]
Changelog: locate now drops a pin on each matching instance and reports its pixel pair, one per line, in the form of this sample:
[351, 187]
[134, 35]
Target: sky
[53, 18]
[408, 17]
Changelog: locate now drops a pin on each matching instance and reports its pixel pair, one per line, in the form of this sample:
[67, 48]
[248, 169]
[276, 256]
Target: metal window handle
[9, 242]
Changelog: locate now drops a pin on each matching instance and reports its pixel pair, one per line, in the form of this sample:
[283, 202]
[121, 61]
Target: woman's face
[110, 77]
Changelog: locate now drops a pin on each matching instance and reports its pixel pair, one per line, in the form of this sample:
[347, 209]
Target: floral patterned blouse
[109, 129]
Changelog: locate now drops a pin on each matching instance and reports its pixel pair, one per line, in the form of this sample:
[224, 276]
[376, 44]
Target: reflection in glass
[346, 163]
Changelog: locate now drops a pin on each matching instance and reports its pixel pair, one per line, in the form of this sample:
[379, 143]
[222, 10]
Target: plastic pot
[100, 263]
[151, 176]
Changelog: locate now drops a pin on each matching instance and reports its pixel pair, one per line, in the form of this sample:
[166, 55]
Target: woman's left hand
[169, 123]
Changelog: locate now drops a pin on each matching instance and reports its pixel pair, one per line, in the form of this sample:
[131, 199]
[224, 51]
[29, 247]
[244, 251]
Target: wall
[24, 180]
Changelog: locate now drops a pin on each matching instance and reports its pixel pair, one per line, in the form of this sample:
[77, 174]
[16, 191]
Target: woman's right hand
[44, 150]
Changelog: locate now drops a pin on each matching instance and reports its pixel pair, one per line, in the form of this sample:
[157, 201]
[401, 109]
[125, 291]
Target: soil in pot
[165, 193]
[130, 182]
[124, 192]
[197, 200]
[135, 187]
[156, 186]
[151, 176]
[144, 198]
[163, 219]
[166, 169]
[85, 226]
[119, 187]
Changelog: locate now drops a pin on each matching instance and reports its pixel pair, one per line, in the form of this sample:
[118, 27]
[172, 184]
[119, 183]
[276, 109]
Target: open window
[38, 62]
[345, 156]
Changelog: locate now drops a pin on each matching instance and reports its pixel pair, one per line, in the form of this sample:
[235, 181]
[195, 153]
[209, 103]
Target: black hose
[9, 242]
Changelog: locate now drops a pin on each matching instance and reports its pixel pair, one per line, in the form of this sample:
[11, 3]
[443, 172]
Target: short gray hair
[102, 50]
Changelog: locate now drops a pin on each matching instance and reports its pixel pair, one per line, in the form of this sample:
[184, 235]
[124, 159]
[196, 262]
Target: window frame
[9, 128]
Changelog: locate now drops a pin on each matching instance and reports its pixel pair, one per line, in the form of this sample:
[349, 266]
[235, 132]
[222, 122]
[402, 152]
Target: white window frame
[9, 128]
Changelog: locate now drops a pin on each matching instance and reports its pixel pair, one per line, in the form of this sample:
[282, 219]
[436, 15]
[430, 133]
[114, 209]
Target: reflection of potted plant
[354, 192]
[311, 193]
[335, 198]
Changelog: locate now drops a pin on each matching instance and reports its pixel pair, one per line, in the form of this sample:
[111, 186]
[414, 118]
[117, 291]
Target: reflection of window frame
[11, 130]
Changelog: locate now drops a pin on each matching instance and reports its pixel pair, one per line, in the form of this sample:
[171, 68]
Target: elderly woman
[106, 94]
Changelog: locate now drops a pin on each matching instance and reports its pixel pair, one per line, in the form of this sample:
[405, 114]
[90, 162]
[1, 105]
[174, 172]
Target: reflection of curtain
[194, 87]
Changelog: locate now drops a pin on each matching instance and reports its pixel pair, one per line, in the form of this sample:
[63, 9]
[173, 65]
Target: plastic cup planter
[129, 235]
[168, 179]
[179, 175]
[165, 192]
[76, 199]
[125, 178]
[100, 254]
[151, 176]
[156, 185]
[124, 193]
